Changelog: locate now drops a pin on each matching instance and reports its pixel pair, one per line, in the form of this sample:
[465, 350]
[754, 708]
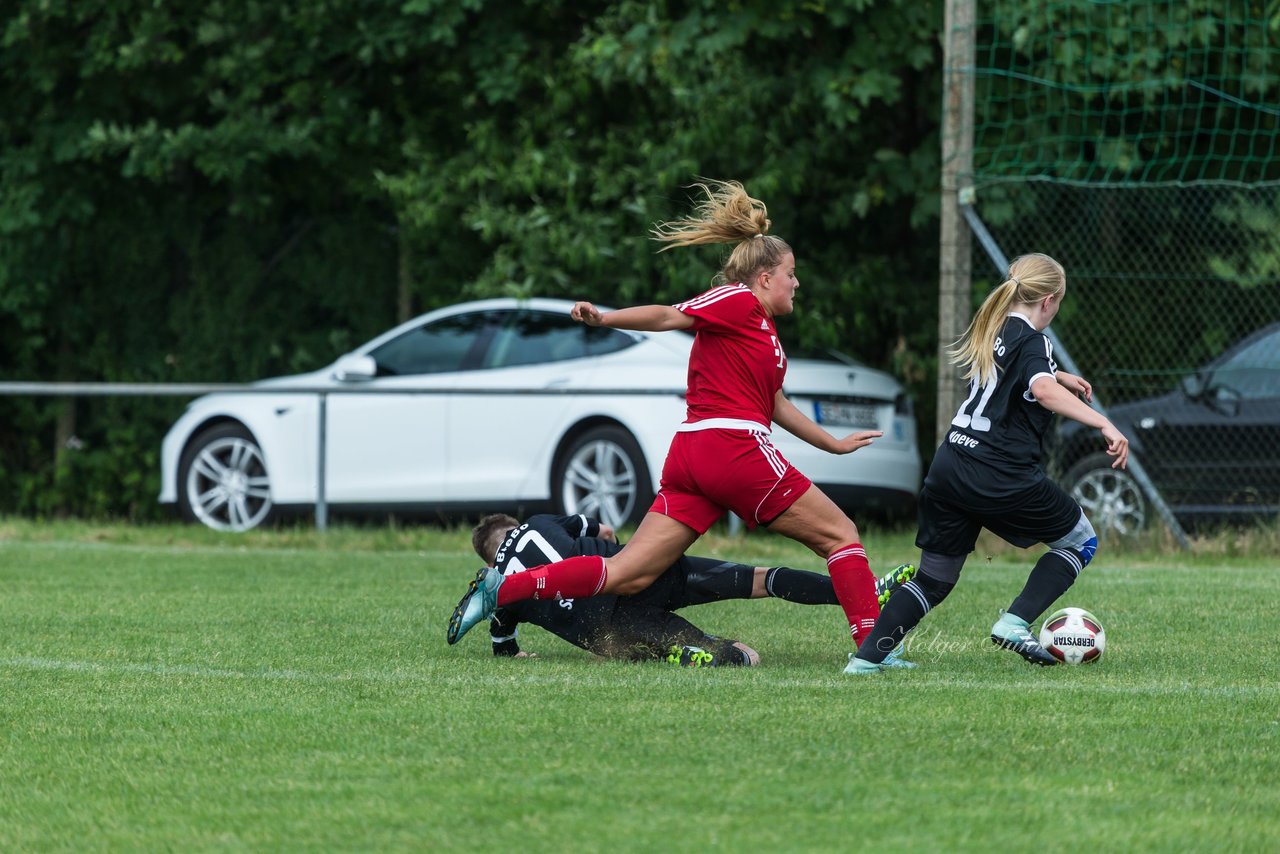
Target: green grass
[166, 688]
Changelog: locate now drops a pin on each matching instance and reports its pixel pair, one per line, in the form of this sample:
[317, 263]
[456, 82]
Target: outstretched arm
[503, 630]
[1058, 398]
[795, 422]
[642, 318]
[1074, 384]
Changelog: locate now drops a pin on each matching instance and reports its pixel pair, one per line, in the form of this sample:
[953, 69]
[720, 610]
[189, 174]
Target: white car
[503, 404]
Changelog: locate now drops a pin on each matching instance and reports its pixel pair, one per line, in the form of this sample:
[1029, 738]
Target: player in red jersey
[722, 457]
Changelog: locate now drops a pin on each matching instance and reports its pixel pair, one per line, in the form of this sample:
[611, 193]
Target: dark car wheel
[1111, 498]
[601, 473]
[222, 480]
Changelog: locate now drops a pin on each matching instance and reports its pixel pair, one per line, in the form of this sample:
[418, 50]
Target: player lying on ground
[641, 627]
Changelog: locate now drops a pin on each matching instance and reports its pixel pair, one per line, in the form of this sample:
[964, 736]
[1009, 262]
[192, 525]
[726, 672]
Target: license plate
[836, 414]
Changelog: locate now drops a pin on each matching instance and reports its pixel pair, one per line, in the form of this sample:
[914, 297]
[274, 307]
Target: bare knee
[826, 538]
[816, 521]
[837, 537]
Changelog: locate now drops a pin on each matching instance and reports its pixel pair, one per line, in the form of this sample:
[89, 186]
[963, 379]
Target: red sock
[566, 579]
[855, 588]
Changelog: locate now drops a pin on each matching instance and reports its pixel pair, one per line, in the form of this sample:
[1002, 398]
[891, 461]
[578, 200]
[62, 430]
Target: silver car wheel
[600, 481]
[226, 486]
[1111, 499]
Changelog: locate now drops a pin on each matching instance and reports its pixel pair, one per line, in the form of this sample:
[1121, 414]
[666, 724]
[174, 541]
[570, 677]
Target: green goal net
[1139, 144]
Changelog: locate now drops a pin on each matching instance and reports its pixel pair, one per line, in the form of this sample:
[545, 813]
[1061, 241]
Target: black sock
[797, 585]
[904, 610]
[1053, 575]
[717, 583]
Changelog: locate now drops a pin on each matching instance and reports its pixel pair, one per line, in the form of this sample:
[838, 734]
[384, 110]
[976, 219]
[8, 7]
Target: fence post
[954, 242]
[322, 506]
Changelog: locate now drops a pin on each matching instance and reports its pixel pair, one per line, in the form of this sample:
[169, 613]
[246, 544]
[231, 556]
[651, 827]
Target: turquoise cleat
[892, 661]
[858, 667]
[1013, 633]
[479, 603]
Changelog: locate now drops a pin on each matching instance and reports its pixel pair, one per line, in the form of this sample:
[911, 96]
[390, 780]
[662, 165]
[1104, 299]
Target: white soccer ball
[1073, 636]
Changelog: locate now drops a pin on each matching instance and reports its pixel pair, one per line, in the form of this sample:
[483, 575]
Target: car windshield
[1254, 370]
[448, 344]
[538, 337]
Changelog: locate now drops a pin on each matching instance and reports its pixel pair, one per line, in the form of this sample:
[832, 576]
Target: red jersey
[737, 364]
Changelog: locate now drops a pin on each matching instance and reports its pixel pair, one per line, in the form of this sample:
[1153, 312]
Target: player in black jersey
[642, 626]
[988, 471]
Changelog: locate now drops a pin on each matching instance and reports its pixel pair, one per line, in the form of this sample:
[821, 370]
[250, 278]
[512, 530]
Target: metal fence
[322, 393]
[1177, 325]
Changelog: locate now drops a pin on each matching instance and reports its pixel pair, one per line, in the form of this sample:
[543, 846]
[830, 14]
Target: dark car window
[449, 344]
[1255, 370]
[537, 337]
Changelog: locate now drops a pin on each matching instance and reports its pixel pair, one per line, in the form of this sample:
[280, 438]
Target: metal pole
[322, 506]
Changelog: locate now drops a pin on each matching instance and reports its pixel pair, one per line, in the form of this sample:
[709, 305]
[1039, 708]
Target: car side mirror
[354, 369]
[1224, 400]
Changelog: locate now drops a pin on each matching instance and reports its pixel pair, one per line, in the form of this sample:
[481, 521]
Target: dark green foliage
[226, 191]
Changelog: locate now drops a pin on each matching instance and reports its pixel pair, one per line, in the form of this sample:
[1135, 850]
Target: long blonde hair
[728, 215]
[1031, 278]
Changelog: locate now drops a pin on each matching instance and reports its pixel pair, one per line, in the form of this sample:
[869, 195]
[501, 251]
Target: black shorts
[951, 516]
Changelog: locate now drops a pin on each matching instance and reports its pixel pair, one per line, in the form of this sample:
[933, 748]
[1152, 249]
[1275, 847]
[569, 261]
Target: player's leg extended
[1056, 570]
[815, 520]
[905, 609]
[708, 580]
[1047, 512]
[657, 543]
[946, 536]
[641, 632]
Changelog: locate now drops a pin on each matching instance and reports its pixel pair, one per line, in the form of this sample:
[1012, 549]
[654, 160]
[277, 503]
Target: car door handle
[557, 382]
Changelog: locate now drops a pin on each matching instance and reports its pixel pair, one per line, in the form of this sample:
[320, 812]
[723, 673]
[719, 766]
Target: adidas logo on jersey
[764, 324]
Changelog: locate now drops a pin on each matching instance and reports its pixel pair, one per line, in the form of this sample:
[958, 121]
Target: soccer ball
[1073, 636]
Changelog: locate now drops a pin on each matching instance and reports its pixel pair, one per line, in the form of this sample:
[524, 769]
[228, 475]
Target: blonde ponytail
[728, 215]
[1031, 278]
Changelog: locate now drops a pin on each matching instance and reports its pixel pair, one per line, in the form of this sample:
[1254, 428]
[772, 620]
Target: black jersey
[539, 541]
[995, 441]
[639, 626]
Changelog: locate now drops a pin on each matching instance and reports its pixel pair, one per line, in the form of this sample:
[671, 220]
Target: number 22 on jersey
[974, 419]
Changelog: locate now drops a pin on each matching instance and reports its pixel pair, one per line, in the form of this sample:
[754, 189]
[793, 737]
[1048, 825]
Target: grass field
[167, 688]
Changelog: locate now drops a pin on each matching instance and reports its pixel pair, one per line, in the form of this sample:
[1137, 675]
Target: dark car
[1211, 446]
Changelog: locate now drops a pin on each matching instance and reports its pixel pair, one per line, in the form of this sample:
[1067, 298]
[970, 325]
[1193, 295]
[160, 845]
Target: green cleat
[477, 604]
[690, 656]
[892, 580]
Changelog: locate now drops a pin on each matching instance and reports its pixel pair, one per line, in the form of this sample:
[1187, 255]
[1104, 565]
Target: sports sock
[902, 613]
[573, 578]
[1054, 573]
[855, 588]
[723, 581]
[797, 585]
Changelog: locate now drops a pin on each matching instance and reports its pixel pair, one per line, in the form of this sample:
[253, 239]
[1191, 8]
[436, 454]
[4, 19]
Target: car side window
[450, 344]
[1254, 372]
[539, 337]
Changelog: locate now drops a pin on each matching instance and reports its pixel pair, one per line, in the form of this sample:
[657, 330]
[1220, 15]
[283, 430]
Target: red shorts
[710, 471]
